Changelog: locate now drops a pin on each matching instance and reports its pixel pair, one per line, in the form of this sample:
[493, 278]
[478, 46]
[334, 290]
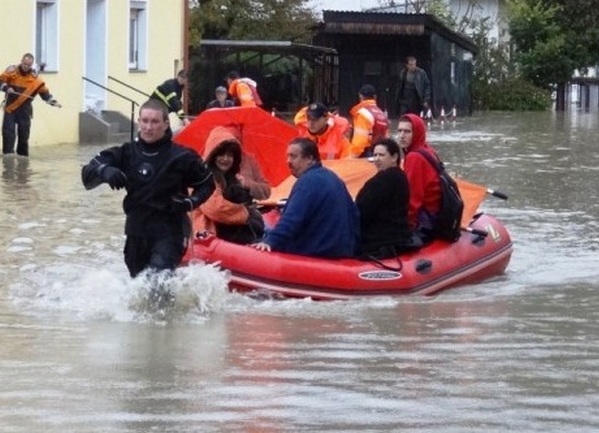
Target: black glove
[181, 204]
[113, 177]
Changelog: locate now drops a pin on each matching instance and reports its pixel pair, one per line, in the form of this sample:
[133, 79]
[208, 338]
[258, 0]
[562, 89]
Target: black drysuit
[157, 227]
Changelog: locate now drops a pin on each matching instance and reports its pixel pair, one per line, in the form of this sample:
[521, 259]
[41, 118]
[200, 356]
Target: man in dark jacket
[157, 175]
[320, 218]
[414, 91]
[170, 93]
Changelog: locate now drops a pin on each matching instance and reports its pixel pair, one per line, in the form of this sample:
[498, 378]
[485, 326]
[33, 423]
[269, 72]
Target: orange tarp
[355, 172]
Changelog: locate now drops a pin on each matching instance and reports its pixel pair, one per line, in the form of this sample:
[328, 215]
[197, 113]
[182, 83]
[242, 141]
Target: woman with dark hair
[383, 202]
[229, 212]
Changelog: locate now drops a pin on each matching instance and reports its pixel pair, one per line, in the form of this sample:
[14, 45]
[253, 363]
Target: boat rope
[385, 266]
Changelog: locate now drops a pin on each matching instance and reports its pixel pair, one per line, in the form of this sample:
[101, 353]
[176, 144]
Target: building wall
[164, 39]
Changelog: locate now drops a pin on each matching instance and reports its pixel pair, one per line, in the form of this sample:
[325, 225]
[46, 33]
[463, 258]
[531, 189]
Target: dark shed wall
[374, 60]
[373, 47]
[451, 75]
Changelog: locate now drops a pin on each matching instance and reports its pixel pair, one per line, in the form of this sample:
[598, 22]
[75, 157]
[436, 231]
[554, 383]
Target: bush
[511, 95]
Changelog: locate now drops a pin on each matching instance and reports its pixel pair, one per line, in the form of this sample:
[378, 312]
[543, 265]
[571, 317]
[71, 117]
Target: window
[137, 35]
[46, 35]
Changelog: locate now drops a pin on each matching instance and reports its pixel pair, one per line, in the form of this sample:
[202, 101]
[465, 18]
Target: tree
[251, 20]
[554, 38]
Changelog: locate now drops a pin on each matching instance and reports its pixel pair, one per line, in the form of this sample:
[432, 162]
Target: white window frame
[46, 35]
[137, 53]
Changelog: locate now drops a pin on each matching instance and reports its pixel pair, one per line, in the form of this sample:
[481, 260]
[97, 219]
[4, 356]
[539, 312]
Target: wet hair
[307, 147]
[154, 104]
[229, 146]
[391, 146]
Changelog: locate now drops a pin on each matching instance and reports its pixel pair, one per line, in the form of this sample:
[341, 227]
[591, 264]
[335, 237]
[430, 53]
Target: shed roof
[389, 23]
[278, 47]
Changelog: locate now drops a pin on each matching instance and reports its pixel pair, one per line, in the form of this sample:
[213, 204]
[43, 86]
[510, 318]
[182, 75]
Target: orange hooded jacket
[217, 209]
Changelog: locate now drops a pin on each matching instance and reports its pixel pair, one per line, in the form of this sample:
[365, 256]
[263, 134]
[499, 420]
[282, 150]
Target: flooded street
[517, 353]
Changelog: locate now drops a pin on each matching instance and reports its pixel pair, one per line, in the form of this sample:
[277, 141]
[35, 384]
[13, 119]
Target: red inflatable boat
[483, 250]
[438, 266]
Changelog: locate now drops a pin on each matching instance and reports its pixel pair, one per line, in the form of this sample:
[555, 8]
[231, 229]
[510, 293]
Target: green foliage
[553, 38]
[511, 95]
[251, 20]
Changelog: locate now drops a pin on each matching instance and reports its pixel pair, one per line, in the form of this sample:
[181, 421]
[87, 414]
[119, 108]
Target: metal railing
[129, 86]
[133, 103]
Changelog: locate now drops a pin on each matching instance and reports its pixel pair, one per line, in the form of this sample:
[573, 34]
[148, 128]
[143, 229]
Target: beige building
[77, 43]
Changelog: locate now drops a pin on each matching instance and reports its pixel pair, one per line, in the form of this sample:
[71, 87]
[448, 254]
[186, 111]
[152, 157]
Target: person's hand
[114, 177]
[181, 203]
[262, 246]
[241, 180]
[236, 193]
[185, 121]
[53, 102]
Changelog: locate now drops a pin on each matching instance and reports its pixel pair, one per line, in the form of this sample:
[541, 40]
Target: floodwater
[517, 353]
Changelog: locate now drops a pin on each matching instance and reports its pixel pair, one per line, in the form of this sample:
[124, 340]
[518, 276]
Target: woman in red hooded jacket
[423, 179]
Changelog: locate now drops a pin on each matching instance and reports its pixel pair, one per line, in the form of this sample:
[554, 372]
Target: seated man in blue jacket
[320, 218]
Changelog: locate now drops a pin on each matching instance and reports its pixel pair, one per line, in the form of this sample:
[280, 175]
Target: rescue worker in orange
[370, 123]
[329, 131]
[244, 91]
[21, 84]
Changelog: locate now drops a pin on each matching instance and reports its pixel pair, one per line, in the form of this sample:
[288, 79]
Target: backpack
[381, 123]
[447, 222]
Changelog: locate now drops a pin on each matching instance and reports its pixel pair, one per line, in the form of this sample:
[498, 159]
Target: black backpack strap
[433, 161]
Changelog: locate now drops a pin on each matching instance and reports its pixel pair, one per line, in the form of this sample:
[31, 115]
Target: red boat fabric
[436, 267]
[264, 136]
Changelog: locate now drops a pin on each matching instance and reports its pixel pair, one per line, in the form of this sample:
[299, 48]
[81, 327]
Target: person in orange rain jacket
[243, 90]
[229, 212]
[423, 179]
[370, 123]
[250, 175]
[329, 131]
[21, 84]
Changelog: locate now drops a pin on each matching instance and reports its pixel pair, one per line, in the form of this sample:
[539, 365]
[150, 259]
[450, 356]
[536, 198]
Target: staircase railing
[129, 86]
[133, 103]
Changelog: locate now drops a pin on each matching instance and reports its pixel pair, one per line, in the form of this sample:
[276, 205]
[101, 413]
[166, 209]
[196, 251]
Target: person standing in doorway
[21, 84]
[170, 93]
[414, 91]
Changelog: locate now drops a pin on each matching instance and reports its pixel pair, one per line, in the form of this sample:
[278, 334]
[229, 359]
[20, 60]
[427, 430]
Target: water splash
[83, 293]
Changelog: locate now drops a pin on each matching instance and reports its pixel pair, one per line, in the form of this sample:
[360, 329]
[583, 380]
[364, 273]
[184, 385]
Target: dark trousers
[16, 125]
[156, 253]
[410, 103]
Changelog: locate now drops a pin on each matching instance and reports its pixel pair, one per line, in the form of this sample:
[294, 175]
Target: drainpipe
[185, 49]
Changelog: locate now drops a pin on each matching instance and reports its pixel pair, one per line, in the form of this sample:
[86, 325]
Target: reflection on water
[516, 353]
[15, 169]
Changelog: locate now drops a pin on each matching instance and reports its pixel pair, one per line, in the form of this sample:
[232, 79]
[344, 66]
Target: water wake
[198, 291]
